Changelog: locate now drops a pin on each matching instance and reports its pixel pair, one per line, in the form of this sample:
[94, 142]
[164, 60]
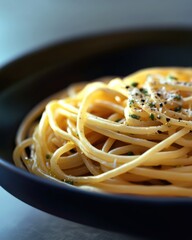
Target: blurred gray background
[28, 25]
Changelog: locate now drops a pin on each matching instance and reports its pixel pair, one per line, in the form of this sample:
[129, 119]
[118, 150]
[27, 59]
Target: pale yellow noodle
[127, 135]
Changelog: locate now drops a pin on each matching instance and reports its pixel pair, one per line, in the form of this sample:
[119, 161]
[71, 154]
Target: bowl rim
[139, 199]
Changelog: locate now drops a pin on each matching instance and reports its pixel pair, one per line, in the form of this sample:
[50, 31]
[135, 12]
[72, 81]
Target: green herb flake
[171, 77]
[178, 109]
[131, 102]
[134, 84]
[130, 153]
[177, 97]
[144, 91]
[69, 181]
[152, 105]
[152, 116]
[134, 116]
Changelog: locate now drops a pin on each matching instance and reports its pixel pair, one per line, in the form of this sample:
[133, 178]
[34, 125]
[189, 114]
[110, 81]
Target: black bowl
[30, 79]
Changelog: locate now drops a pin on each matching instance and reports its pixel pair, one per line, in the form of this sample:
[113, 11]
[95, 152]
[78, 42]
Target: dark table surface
[29, 25]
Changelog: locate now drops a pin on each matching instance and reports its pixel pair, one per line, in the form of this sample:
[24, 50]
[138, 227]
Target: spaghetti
[127, 135]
